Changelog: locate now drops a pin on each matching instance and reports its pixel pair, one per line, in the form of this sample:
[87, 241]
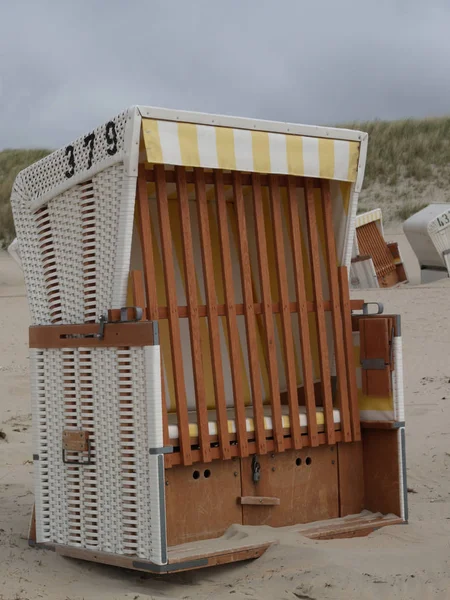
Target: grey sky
[67, 66]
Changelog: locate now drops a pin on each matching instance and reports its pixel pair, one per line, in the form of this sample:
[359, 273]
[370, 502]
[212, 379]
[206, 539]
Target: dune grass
[11, 162]
[412, 149]
[407, 168]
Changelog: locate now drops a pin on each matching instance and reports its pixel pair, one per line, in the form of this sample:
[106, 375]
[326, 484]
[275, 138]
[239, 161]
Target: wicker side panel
[115, 504]
[76, 249]
[29, 247]
[78, 161]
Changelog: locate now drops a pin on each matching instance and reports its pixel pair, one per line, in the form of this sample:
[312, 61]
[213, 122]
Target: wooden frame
[238, 233]
[278, 439]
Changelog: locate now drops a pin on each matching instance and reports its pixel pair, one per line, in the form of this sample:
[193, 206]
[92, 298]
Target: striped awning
[190, 145]
[369, 217]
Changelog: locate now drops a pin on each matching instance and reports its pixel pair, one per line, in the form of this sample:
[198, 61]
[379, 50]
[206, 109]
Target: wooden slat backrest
[267, 313]
[194, 321]
[336, 311]
[213, 320]
[320, 313]
[300, 289]
[145, 234]
[174, 325]
[288, 340]
[349, 354]
[250, 319]
[276, 276]
[230, 302]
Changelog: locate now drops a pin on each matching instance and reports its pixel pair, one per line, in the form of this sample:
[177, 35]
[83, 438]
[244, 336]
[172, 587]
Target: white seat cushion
[212, 420]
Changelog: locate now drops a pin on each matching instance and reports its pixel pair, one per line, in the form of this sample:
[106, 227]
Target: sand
[405, 561]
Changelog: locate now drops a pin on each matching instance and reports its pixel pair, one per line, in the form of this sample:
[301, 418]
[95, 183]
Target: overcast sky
[67, 66]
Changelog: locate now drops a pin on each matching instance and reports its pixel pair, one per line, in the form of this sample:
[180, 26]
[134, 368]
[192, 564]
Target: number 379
[89, 142]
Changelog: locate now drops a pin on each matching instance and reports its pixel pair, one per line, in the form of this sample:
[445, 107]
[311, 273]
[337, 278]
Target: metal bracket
[124, 314]
[161, 450]
[379, 305]
[373, 364]
[138, 314]
[155, 325]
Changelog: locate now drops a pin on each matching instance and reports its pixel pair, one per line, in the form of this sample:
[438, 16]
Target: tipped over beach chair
[375, 262]
[196, 360]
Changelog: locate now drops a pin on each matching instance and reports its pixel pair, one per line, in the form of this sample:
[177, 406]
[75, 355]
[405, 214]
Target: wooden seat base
[237, 544]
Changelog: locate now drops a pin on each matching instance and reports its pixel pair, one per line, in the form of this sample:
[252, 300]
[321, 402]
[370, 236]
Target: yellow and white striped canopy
[369, 217]
[191, 145]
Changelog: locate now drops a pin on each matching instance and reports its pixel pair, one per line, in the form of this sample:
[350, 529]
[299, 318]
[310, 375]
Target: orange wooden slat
[227, 179]
[250, 320]
[267, 313]
[230, 306]
[338, 333]
[138, 291]
[213, 320]
[145, 234]
[194, 322]
[288, 341]
[320, 313]
[349, 353]
[183, 311]
[175, 459]
[374, 335]
[300, 289]
[174, 325]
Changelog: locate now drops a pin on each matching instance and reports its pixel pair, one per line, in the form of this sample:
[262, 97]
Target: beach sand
[404, 561]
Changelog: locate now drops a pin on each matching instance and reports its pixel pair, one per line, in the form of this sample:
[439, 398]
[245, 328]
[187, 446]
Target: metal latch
[103, 320]
[101, 329]
[256, 469]
[373, 364]
[76, 441]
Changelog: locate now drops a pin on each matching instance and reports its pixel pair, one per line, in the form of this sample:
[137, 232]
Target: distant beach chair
[375, 263]
[428, 232]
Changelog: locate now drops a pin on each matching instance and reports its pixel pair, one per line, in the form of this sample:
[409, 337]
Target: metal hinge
[373, 364]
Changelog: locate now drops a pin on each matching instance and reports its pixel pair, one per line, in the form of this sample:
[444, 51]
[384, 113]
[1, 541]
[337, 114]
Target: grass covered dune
[11, 162]
[408, 167]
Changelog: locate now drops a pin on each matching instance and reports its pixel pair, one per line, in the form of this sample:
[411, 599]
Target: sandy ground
[407, 561]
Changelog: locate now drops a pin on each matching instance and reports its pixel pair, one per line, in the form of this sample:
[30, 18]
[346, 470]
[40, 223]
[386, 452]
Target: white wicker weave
[397, 380]
[75, 250]
[116, 504]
